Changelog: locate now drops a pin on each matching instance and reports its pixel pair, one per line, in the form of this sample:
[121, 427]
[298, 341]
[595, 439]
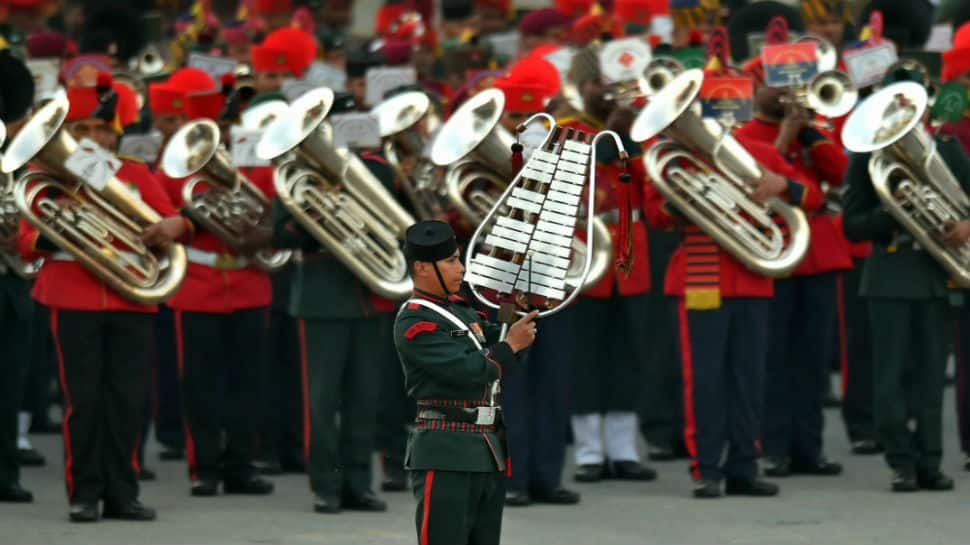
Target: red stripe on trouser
[426, 514]
[305, 376]
[843, 342]
[687, 367]
[68, 406]
[180, 356]
[134, 456]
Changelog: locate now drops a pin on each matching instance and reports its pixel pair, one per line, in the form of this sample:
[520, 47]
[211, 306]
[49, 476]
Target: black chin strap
[441, 280]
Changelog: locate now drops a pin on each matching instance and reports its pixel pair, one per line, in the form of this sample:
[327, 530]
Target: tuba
[405, 121]
[523, 250]
[102, 230]
[477, 151]
[218, 197]
[10, 224]
[335, 198]
[909, 176]
[712, 191]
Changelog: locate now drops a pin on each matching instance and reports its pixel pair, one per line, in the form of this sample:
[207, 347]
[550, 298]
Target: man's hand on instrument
[523, 332]
[957, 233]
[164, 232]
[796, 118]
[770, 185]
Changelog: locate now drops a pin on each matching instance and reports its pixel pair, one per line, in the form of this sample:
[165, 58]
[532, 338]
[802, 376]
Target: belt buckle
[486, 416]
[226, 262]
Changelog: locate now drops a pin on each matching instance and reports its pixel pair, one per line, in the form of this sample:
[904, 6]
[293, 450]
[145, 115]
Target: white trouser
[620, 444]
[23, 426]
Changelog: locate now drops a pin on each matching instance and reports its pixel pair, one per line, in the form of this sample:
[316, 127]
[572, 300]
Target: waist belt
[482, 416]
[222, 262]
[612, 217]
[451, 425]
[64, 256]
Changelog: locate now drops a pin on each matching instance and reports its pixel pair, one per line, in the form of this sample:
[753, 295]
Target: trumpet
[101, 228]
[335, 198]
[704, 172]
[219, 198]
[908, 175]
[405, 121]
[477, 152]
[830, 93]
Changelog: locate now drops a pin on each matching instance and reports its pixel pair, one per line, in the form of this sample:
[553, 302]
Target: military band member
[100, 336]
[451, 358]
[609, 362]
[907, 295]
[16, 98]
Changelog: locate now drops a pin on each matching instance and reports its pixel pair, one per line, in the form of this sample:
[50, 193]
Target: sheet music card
[357, 130]
[93, 164]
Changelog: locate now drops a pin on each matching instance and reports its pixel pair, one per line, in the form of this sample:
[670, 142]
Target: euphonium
[102, 229]
[704, 172]
[335, 198]
[405, 122]
[909, 176]
[220, 198]
[10, 224]
[523, 249]
[478, 153]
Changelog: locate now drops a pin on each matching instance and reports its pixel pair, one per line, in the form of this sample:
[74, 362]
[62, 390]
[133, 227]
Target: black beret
[456, 10]
[343, 103]
[16, 87]
[358, 62]
[430, 241]
[907, 23]
[753, 19]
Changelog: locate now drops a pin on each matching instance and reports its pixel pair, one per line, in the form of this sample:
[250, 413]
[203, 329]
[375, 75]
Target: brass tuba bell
[218, 196]
[335, 198]
[102, 227]
[704, 172]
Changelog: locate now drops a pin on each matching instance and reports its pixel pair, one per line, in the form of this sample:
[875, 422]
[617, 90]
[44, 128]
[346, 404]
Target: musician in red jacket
[221, 325]
[723, 311]
[804, 308]
[101, 336]
[612, 353]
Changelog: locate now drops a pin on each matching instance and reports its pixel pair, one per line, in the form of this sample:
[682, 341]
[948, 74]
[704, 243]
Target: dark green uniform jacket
[896, 269]
[443, 366]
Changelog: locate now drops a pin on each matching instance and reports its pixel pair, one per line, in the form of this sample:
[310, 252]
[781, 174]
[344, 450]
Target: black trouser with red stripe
[221, 361]
[458, 507]
[723, 352]
[342, 375]
[802, 333]
[103, 366]
[16, 324]
[856, 355]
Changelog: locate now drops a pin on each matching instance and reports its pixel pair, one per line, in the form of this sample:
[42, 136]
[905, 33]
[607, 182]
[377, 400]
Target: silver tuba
[335, 198]
[10, 224]
[523, 250]
[909, 176]
[406, 120]
[477, 151]
[102, 227]
[704, 172]
[218, 197]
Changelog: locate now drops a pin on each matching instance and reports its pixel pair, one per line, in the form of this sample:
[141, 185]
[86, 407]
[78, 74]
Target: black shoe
[555, 496]
[364, 502]
[819, 466]
[589, 473]
[632, 471]
[133, 510]
[661, 453]
[517, 498]
[934, 480]
[395, 482]
[253, 486]
[866, 447]
[707, 489]
[84, 512]
[777, 466]
[326, 504]
[904, 480]
[29, 457]
[15, 494]
[293, 464]
[147, 474]
[171, 454]
[205, 487]
[268, 467]
[754, 487]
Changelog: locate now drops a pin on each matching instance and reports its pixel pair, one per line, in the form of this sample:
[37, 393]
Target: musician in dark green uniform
[451, 358]
[907, 293]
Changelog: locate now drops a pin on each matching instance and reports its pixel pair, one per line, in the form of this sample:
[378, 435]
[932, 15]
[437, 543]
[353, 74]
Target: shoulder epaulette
[130, 158]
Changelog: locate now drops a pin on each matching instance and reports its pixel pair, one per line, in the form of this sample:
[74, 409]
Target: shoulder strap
[446, 314]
